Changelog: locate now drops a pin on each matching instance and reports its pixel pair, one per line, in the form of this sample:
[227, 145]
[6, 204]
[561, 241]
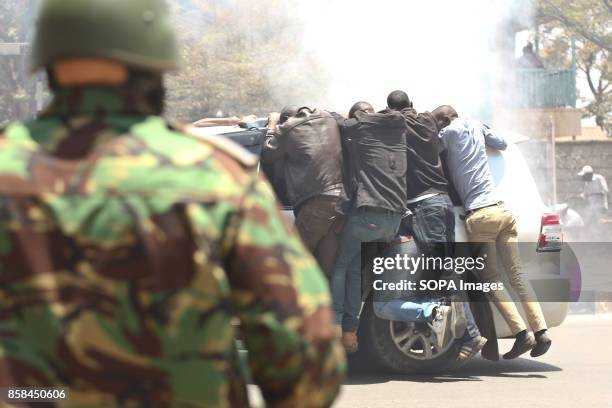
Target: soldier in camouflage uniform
[128, 246]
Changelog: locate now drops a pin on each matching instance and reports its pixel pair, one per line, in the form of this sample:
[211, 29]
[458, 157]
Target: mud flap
[481, 307]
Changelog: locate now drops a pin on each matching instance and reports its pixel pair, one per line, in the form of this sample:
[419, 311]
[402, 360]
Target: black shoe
[523, 343]
[543, 343]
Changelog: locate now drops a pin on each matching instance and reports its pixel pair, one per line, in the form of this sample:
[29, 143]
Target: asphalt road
[576, 373]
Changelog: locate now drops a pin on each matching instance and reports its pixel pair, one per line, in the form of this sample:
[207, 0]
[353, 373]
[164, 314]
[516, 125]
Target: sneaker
[523, 343]
[472, 347]
[459, 321]
[543, 343]
[441, 324]
[349, 341]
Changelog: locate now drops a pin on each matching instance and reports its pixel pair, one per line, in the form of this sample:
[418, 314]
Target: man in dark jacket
[433, 218]
[309, 143]
[375, 150]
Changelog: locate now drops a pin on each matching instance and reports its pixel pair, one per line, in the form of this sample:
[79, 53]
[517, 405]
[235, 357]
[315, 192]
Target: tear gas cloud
[440, 52]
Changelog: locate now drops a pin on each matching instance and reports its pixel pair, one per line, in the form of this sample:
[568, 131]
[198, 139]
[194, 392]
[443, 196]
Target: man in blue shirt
[491, 226]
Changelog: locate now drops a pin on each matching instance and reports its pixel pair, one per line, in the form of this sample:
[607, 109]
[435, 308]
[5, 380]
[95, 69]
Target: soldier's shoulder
[155, 155]
[221, 144]
[11, 127]
[15, 135]
[179, 141]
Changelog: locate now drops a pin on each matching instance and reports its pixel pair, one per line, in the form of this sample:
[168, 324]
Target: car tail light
[551, 234]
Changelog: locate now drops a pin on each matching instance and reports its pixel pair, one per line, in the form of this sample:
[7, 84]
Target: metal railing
[545, 88]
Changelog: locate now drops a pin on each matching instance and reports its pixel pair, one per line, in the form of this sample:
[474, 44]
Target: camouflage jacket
[128, 248]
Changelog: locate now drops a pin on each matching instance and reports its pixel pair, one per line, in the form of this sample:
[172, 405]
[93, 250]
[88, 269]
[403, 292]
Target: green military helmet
[138, 33]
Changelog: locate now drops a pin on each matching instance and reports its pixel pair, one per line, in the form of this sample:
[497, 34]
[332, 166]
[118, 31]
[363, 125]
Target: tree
[17, 85]
[588, 21]
[241, 57]
[598, 70]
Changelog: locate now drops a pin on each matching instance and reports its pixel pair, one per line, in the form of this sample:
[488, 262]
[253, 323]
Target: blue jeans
[365, 224]
[402, 305]
[405, 311]
[433, 225]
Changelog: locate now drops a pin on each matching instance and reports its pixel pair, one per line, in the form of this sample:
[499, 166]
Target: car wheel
[403, 347]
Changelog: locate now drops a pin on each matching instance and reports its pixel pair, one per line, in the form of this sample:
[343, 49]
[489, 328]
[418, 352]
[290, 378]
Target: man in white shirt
[595, 192]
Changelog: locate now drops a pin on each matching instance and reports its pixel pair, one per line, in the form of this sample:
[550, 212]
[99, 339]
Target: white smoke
[440, 52]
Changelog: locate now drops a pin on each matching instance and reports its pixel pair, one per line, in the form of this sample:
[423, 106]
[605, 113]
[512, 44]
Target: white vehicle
[551, 268]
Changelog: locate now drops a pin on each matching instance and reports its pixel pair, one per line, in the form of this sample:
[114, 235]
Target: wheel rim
[416, 340]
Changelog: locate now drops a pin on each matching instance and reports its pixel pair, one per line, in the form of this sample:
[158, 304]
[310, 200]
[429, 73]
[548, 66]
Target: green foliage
[17, 85]
[589, 22]
[597, 67]
[239, 58]
[588, 19]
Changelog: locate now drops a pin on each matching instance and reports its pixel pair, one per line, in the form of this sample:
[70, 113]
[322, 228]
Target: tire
[379, 347]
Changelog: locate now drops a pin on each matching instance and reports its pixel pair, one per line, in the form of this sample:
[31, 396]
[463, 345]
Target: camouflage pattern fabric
[127, 248]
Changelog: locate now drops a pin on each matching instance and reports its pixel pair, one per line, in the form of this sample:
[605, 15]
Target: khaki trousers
[492, 231]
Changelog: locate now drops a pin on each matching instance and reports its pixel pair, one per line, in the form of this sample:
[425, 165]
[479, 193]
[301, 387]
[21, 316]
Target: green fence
[546, 88]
